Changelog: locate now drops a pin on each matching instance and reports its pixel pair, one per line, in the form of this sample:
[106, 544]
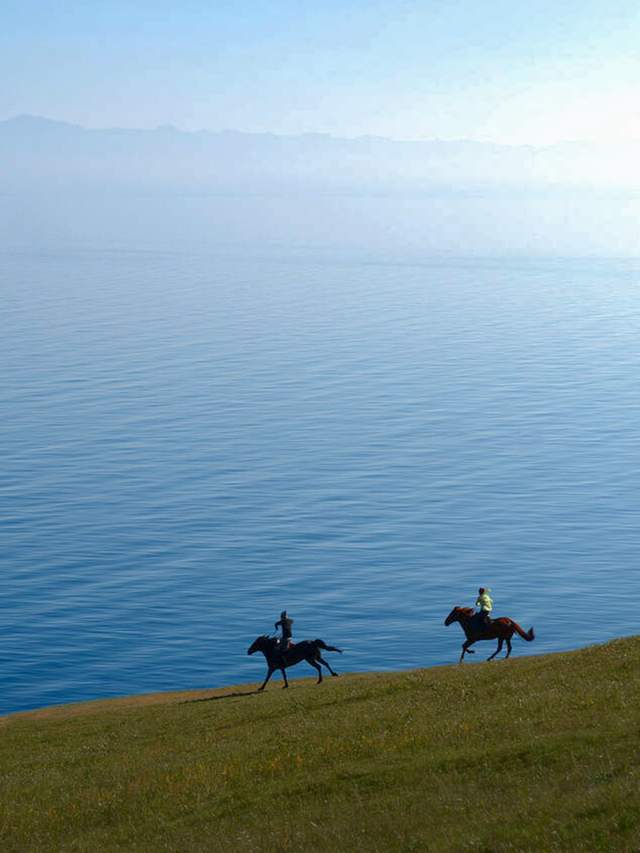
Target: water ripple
[193, 444]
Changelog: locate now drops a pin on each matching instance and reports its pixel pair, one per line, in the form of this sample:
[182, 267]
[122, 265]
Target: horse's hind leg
[323, 661]
[284, 675]
[312, 663]
[508, 648]
[500, 644]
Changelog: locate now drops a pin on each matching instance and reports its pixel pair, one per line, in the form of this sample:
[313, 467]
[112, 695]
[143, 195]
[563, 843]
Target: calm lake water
[191, 443]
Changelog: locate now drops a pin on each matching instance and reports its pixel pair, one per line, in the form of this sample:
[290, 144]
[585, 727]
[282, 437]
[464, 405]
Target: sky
[535, 72]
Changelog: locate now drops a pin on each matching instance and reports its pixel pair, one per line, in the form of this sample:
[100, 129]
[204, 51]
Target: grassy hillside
[529, 754]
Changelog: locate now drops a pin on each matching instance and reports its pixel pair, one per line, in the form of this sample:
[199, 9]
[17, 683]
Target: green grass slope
[538, 753]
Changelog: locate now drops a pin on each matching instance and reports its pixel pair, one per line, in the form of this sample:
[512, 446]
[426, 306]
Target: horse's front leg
[323, 661]
[270, 672]
[284, 676]
[465, 649]
[500, 644]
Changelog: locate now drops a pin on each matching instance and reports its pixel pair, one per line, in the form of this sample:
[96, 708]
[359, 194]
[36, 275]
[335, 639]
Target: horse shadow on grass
[224, 696]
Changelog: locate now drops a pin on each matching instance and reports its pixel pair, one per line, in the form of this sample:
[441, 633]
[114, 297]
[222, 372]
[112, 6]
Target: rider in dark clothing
[284, 623]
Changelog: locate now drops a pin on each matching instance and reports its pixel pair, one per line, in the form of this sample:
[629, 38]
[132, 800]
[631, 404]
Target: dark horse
[501, 629]
[308, 650]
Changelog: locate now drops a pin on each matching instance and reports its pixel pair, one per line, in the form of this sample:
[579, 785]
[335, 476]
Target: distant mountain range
[38, 153]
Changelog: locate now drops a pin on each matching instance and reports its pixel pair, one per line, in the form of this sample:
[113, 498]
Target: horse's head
[454, 616]
[458, 614]
[258, 645]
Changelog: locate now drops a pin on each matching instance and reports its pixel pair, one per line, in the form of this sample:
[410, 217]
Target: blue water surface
[192, 442]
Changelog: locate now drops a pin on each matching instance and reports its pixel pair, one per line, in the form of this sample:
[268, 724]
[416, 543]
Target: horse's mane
[468, 611]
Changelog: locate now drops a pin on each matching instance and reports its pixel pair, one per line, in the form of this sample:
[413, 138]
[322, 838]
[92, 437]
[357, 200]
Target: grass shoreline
[154, 697]
[533, 753]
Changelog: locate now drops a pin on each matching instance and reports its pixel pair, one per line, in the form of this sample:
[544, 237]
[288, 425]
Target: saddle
[481, 621]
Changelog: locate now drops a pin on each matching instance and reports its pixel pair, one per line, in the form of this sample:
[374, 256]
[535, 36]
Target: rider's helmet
[283, 615]
[481, 591]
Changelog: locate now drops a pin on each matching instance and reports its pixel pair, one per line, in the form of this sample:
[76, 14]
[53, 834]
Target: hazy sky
[538, 71]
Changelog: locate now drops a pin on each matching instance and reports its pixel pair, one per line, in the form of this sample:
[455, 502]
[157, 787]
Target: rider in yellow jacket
[485, 603]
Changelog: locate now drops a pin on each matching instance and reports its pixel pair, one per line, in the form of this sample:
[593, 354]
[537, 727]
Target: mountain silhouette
[38, 152]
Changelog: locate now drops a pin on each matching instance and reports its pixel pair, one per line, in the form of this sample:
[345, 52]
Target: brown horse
[308, 650]
[501, 629]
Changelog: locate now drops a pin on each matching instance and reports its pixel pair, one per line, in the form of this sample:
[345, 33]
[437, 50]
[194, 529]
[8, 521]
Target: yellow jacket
[485, 602]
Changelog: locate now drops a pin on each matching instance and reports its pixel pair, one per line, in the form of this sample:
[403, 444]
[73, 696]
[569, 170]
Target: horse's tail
[526, 635]
[322, 645]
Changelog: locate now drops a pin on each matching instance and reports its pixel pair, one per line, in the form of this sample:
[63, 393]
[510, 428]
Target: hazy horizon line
[170, 127]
